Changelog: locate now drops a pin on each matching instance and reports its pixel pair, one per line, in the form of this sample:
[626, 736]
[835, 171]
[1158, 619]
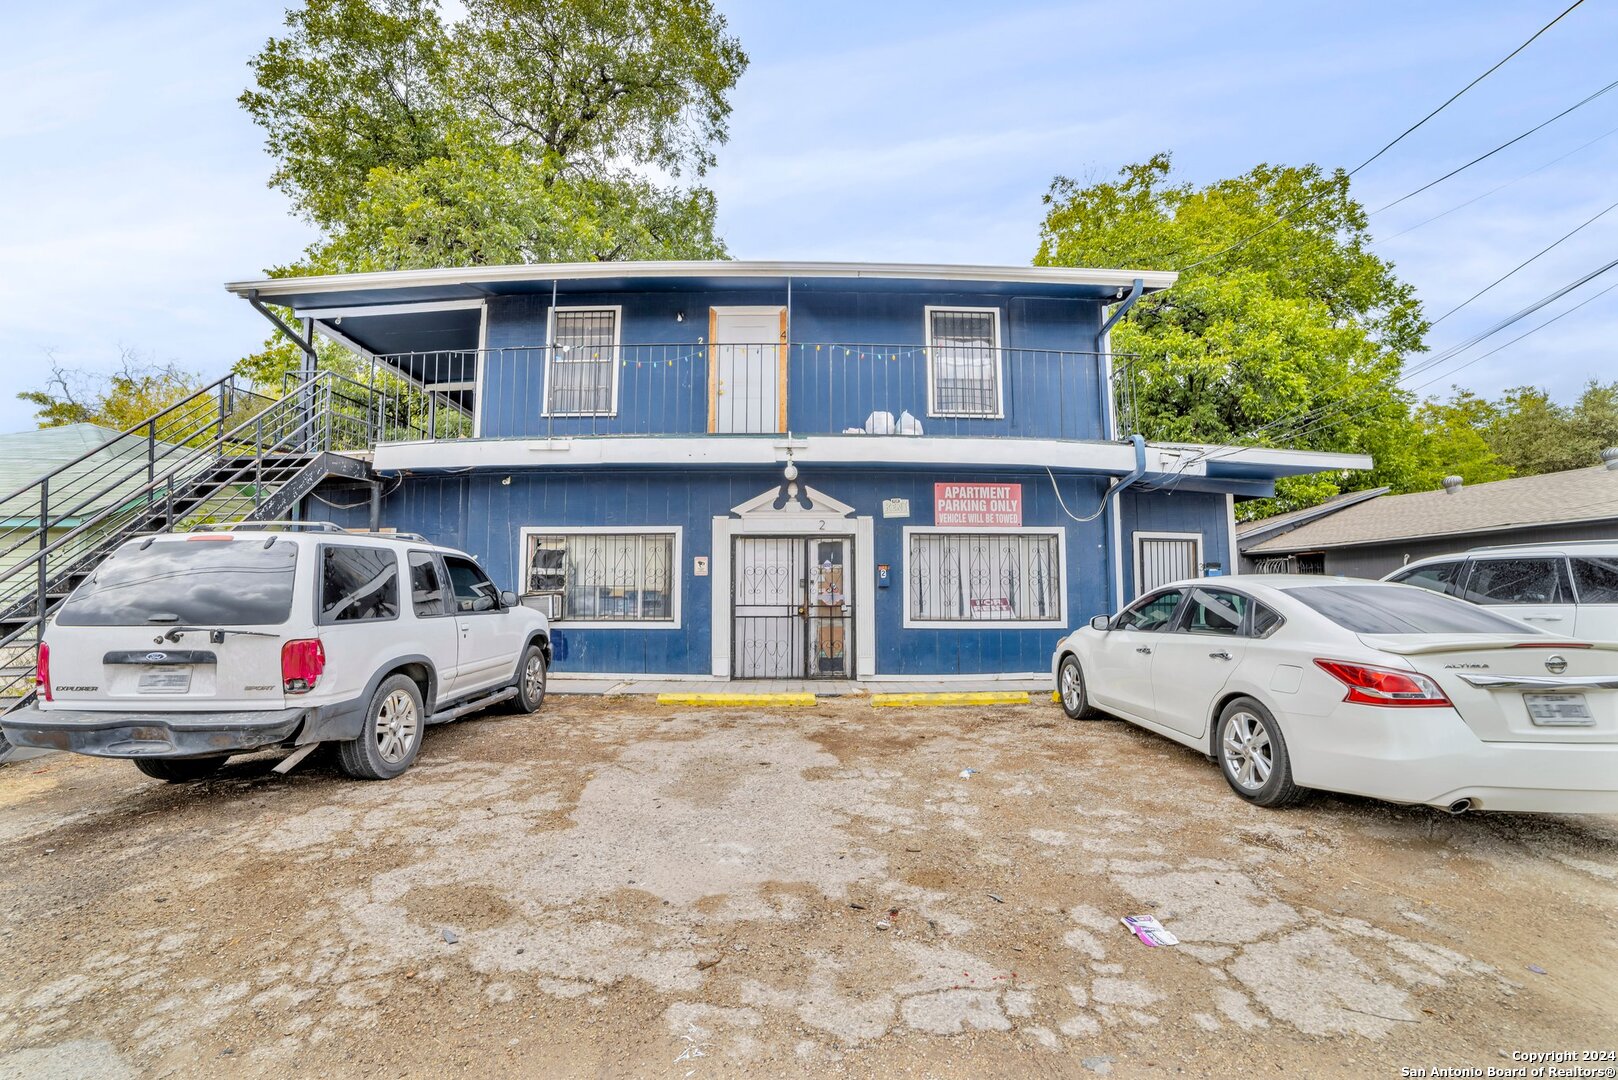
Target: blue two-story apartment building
[779, 470]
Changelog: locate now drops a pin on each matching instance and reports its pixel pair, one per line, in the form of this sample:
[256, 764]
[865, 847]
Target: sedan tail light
[302, 662]
[1384, 686]
[42, 672]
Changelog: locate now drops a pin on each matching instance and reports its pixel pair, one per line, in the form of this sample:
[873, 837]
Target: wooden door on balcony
[747, 380]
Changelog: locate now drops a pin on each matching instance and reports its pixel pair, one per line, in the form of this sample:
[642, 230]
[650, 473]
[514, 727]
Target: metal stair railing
[211, 457]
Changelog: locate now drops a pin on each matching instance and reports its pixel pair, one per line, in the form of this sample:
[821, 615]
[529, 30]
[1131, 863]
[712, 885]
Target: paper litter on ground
[1149, 930]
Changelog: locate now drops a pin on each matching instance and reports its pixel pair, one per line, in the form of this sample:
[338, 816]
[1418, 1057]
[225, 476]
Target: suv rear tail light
[42, 672]
[302, 662]
[1384, 686]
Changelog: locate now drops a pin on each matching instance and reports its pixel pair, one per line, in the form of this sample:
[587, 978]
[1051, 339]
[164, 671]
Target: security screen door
[791, 608]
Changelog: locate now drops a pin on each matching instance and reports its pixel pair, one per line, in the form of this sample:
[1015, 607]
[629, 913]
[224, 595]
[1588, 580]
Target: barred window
[602, 577]
[985, 577]
[964, 362]
[584, 363]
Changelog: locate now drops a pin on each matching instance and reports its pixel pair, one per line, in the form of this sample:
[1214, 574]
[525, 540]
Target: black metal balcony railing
[749, 388]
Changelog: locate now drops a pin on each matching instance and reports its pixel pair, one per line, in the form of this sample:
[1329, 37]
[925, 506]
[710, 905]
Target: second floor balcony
[738, 389]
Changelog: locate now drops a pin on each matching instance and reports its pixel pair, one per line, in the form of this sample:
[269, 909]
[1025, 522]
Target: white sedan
[1295, 682]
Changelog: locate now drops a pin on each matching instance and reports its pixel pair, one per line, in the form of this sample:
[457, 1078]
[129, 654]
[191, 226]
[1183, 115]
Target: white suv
[1569, 589]
[181, 650]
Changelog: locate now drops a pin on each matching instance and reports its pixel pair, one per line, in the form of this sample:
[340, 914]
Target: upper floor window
[582, 378]
[963, 362]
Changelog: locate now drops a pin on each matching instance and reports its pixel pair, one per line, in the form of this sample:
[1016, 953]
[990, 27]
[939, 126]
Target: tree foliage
[528, 130]
[134, 390]
[1296, 337]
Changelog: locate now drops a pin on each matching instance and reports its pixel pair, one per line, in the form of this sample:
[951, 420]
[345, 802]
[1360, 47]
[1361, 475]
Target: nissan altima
[1300, 682]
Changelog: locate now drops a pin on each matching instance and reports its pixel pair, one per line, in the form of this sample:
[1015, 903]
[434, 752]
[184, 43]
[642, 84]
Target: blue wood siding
[1175, 512]
[480, 514]
[850, 354]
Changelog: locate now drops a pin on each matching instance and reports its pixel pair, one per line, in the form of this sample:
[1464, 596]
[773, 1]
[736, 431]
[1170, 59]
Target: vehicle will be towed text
[181, 650]
[1299, 682]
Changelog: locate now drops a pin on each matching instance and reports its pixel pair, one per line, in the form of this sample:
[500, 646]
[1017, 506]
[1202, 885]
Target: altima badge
[1556, 664]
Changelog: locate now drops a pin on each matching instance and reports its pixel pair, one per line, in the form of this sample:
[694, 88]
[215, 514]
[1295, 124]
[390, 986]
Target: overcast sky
[132, 186]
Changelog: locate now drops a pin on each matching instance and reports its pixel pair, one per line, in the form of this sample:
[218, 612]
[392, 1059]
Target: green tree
[119, 399]
[1454, 441]
[1530, 433]
[529, 130]
[1296, 337]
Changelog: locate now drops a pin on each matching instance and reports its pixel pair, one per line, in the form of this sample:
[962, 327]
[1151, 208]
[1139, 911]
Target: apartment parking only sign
[978, 504]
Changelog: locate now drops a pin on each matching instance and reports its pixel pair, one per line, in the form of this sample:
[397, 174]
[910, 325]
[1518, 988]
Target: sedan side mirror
[508, 599]
[1101, 622]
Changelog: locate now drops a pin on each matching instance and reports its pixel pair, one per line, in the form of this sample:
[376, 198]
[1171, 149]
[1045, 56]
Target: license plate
[168, 679]
[1549, 710]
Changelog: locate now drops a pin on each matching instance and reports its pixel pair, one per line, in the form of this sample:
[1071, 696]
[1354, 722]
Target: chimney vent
[1452, 484]
[1609, 457]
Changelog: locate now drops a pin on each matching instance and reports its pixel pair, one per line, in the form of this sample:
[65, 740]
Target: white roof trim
[1100, 457]
[473, 275]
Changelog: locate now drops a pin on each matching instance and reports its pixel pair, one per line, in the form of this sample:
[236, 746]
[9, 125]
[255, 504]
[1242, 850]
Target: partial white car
[181, 650]
[1298, 682]
[1568, 588]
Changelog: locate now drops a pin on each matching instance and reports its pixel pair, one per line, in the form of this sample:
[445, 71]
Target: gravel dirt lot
[613, 888]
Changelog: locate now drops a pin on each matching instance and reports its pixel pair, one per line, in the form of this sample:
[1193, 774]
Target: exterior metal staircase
[225, 454]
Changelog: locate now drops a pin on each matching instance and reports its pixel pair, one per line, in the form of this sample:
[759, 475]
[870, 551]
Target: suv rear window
[188, 582]
[1385, 609]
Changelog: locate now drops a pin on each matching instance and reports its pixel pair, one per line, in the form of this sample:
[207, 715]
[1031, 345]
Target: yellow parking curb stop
[982, 697]
[735, 699]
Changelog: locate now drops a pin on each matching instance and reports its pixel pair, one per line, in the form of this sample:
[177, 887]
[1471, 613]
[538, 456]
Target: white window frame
[1139, 536]
[676, 572]
[976, 625]
[999, 363]
[550, 355]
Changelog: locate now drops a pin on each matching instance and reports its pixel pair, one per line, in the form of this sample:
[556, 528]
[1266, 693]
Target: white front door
[747, 392]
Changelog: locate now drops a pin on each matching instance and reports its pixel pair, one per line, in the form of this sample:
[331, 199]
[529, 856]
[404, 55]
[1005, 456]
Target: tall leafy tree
[1296, 336]
[526, 130]
[1534, 434]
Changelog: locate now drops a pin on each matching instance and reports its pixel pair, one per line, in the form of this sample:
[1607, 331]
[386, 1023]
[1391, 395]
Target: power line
[1519, 266]
[1292, 428]
[1499, 187]
[1509, 142]
[1519, 337]
[1244, 241]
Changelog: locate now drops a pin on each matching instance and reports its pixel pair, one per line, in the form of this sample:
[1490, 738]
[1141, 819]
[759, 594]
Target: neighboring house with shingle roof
[85, 450]
[1371, 533]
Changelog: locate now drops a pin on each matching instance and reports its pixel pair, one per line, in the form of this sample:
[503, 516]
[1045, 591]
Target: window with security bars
[964, 361]
[583, 364]
[602, 577]
[985, 577]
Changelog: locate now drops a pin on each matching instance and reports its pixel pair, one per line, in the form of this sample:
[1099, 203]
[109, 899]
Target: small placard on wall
[699, 566]
[895, 508]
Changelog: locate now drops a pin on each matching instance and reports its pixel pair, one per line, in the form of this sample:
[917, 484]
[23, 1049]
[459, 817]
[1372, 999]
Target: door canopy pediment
[811, 502]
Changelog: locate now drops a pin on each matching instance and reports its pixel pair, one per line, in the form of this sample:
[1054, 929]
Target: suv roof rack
[267, 526]
[308, 526]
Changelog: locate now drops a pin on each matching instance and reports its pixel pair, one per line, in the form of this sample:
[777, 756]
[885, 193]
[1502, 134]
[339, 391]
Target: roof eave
[269, 288]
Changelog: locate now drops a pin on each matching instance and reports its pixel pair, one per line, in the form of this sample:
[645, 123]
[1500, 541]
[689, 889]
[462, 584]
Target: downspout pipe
[1136, 291]
[1115, 579]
